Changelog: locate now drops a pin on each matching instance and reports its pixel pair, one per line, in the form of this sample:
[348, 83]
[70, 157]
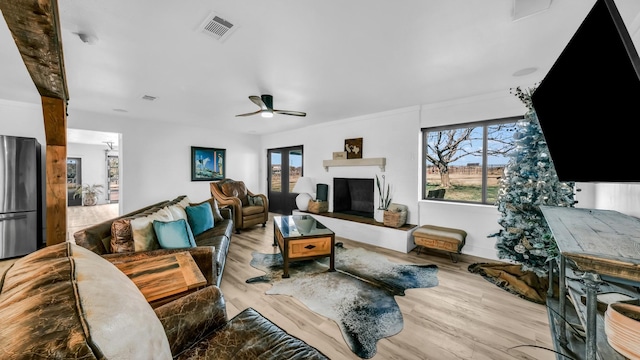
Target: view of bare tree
[447, 146]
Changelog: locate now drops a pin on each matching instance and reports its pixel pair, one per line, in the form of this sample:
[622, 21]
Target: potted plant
[384, 199]
[89, 193]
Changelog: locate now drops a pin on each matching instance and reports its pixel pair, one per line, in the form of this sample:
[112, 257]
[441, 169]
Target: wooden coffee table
[301, 237]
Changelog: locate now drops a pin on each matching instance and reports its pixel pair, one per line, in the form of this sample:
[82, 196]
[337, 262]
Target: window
[465, 162]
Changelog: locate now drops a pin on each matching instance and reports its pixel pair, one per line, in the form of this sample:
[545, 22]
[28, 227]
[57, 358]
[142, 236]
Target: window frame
[482, 123]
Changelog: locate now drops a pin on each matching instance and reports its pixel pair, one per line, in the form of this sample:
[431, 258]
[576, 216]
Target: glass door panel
[285, 168]
[295, 167]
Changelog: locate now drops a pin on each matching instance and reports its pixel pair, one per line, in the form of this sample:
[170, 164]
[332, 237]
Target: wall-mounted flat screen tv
[589, 102]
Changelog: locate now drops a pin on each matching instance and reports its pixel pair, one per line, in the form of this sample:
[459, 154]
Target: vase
[89, 200]
[378, 215]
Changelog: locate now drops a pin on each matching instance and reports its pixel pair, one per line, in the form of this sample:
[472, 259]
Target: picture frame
[207, 164]
[353, 147]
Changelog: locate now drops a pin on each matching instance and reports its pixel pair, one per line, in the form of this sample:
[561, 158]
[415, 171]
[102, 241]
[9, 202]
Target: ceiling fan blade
[249, 114]
[289, 112]
[258, 101]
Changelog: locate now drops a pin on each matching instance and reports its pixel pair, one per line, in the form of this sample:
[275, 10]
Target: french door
[285, 168]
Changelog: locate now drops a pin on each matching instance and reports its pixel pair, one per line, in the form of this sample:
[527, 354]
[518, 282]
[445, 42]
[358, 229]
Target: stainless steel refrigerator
[20, 196]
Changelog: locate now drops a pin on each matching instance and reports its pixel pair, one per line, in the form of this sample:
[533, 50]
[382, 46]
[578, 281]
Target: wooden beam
[55, 123]
[35, 27]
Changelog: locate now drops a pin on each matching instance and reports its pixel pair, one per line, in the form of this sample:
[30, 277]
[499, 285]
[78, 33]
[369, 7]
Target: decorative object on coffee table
[359, 296]
[353, 147]
[305, 187]
[207, 164]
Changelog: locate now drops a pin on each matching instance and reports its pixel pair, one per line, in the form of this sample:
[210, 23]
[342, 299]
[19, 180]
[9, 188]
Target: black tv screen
[589, 101]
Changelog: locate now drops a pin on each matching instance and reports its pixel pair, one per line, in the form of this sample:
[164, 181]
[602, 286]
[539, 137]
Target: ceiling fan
[266, 107]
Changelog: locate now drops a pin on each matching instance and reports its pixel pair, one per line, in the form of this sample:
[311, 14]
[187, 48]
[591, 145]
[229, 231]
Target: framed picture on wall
[353, 147]
[207, 164]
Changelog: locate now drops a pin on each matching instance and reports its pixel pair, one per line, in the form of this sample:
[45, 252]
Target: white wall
[393, 135]
[22, 119]
[623, 197]
[155, 157]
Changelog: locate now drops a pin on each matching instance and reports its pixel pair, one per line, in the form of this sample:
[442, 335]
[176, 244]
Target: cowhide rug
[358, 296]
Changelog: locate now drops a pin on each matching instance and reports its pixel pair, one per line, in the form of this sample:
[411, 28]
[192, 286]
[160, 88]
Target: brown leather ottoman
[440, 238]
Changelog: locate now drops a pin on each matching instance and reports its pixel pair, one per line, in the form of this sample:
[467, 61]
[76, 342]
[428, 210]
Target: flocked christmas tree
[529, 180]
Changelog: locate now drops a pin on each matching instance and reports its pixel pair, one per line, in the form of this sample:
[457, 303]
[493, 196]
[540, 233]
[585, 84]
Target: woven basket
[318, 207]
[395, 218]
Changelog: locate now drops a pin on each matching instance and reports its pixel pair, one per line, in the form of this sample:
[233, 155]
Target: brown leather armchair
[249, 209]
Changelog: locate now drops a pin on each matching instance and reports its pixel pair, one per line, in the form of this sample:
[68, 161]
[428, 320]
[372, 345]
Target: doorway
[285, 168]
[101, 166]
[74, 179]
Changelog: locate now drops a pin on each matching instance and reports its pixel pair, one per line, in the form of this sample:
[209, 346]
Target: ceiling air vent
[217, 27]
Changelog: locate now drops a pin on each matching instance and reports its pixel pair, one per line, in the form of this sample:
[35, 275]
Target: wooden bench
[440, 238]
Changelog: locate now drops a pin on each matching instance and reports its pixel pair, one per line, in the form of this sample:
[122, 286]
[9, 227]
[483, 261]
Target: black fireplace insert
[353, 196]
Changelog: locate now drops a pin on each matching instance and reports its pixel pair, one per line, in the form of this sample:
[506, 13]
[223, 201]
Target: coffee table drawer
[309, 247]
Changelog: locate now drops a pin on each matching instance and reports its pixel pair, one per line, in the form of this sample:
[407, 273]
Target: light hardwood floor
[80, 217]
[464, 317]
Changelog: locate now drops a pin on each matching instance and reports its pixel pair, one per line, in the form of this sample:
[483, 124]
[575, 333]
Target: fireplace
[353, 196]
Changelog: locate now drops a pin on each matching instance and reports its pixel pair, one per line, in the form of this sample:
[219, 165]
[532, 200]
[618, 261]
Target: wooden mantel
[380, 162]
[35, 27]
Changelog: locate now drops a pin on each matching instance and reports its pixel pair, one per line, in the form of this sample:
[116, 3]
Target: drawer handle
[309, 246]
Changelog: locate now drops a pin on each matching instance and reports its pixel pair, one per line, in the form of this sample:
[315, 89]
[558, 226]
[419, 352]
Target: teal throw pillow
[255, 201]
[200, 217]
[174, 234]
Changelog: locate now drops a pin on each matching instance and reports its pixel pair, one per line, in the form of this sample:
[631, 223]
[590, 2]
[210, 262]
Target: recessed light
[525, 71]
[148, 97]
[120, 110]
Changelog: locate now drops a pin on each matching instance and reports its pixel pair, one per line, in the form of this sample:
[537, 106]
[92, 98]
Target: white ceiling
[333, 59]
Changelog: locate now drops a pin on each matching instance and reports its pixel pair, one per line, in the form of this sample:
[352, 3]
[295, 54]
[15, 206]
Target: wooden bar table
[603, 244]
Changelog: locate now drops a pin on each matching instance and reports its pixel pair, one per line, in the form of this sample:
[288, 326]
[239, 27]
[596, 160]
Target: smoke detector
[217, 27]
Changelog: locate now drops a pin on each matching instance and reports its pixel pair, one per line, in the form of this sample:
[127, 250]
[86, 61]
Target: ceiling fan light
[266, 113]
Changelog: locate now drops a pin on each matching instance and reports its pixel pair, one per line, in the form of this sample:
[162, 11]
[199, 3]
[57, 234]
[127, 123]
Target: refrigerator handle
[12, 217]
